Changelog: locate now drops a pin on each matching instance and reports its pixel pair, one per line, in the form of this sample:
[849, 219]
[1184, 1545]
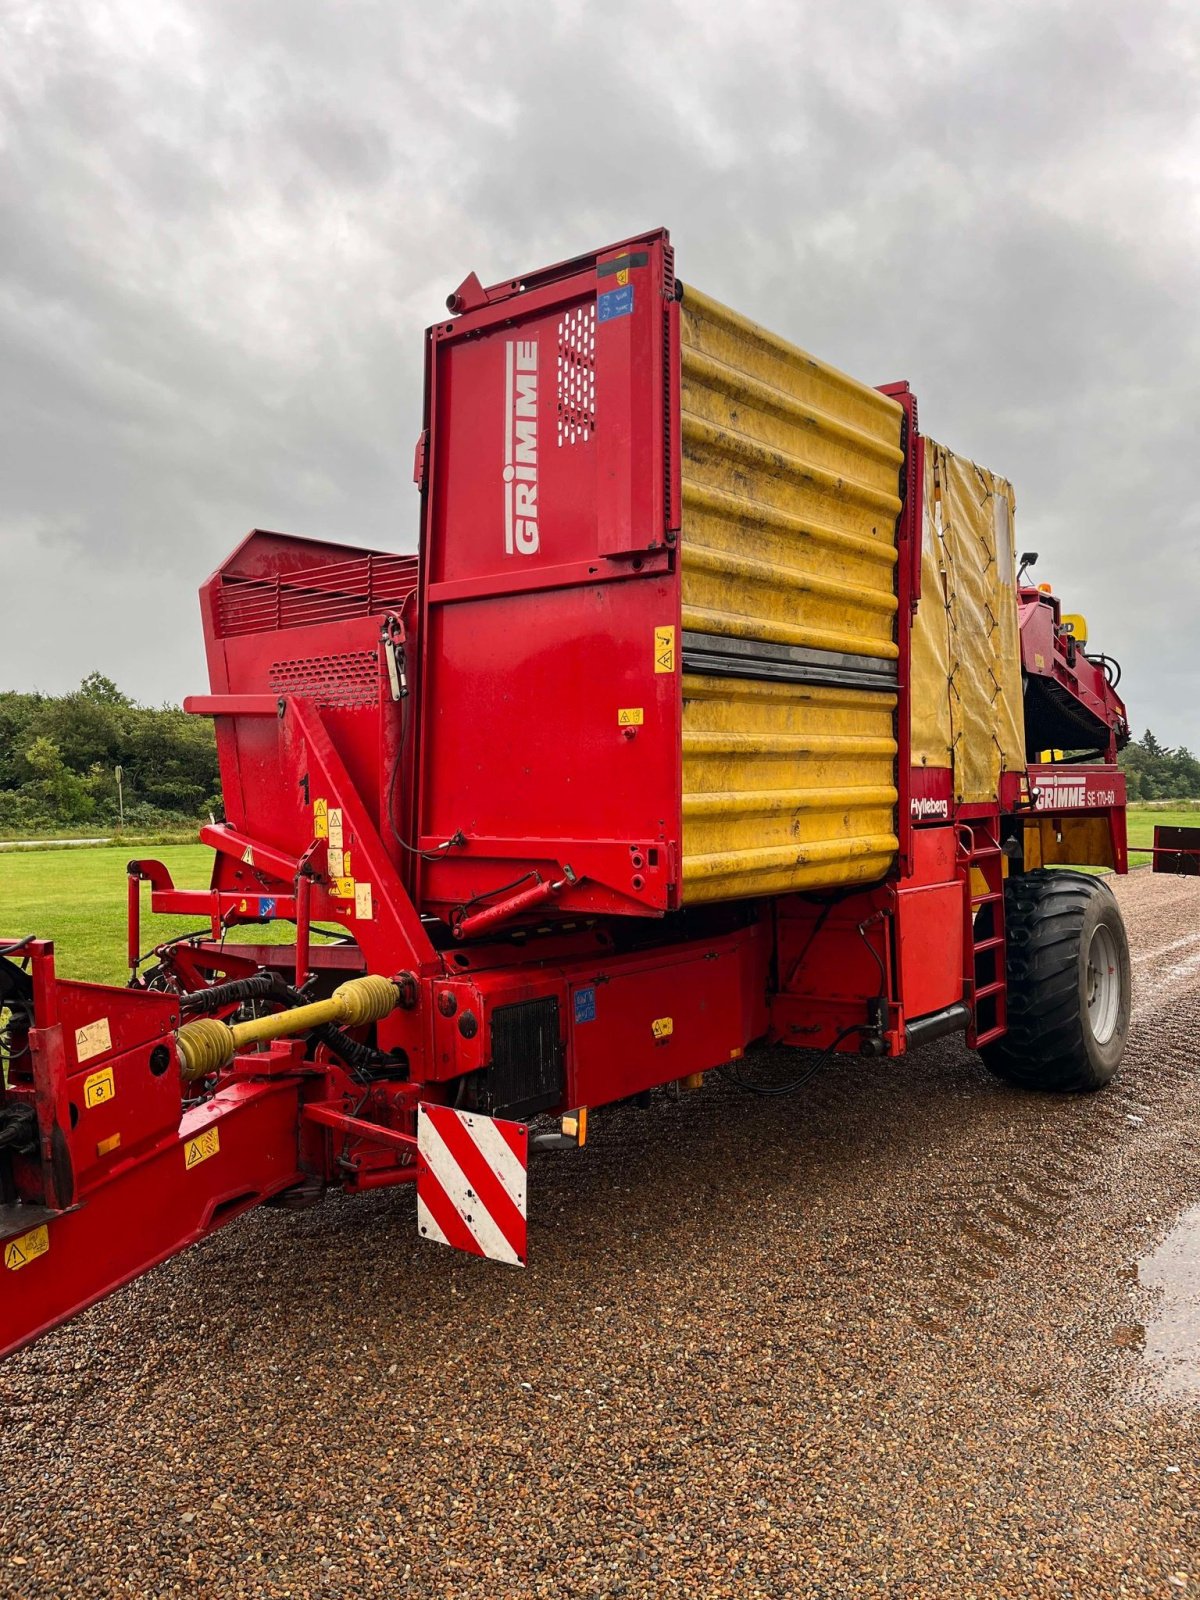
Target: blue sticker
[266, 907]
[585, 1005]
[616, 303]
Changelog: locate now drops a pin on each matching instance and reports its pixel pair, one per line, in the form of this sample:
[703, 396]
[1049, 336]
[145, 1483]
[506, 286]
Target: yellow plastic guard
[790, 499]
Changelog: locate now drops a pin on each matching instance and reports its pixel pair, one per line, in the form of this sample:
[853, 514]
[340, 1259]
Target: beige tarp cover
[966, 653]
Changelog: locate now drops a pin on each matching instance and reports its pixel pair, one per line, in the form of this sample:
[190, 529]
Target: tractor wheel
[1068, 983]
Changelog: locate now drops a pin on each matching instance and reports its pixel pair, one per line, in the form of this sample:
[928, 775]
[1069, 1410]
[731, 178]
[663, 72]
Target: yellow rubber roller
[208, 1045]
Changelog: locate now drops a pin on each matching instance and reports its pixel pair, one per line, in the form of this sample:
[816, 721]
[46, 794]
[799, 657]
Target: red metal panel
[546, 572]
[929, 926]
[1077, 789]
[834, 961]
[931, 794]
[636, 1025]
[119, 1093]
[223, 1159]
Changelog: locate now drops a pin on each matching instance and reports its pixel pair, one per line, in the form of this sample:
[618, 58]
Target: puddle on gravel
[1172, 1335]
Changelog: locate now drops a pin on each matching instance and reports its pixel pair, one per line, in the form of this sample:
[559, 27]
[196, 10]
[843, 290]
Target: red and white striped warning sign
[471, 1182]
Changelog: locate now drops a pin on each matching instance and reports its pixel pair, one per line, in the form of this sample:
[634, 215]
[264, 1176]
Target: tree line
[86, 757]
[1154, 771]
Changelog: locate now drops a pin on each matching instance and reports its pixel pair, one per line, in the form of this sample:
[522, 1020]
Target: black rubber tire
[1051, 918]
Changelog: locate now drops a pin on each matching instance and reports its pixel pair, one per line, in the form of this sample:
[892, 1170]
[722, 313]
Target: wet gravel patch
[877, 1339]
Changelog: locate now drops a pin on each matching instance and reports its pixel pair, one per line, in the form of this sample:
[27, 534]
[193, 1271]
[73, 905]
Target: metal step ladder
[985, 980]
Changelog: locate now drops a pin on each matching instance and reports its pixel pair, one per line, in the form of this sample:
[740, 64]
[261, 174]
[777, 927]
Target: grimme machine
[713, 714]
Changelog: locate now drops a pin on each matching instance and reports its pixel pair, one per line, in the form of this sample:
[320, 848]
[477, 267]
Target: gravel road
[884, 1338]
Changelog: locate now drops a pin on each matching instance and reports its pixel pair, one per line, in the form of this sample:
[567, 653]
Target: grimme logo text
[520, 447]
[1053, 793]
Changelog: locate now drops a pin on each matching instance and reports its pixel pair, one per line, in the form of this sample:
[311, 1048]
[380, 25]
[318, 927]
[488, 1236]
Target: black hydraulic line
[260, 986]
[357, 1055]
[775, 1090]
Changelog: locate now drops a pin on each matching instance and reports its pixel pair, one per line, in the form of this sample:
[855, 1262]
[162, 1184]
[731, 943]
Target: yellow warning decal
[335, 862]
[663, 1027]
[630, 717]
[93, 1039]
[343, 888]
[363, 908]
[201, 1148]
[320, 819]
[664, 649]
[335, 827]
[248, 857]
[99, 1088]
[20, 1252]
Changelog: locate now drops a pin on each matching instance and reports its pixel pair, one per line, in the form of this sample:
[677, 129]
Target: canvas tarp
[967, 711]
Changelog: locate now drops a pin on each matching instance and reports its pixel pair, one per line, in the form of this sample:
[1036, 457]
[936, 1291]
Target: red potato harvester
[708, 717]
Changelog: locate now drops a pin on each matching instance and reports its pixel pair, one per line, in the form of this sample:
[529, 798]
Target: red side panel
[929, 924]
[549, 719]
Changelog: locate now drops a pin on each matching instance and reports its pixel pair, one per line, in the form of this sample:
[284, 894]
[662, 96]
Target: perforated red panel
[577, 375]
[349, 679]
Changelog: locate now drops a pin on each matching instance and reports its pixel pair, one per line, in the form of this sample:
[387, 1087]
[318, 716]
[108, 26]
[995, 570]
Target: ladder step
[989, 944]
[989, 989]
[991, 1033]
[987, 899]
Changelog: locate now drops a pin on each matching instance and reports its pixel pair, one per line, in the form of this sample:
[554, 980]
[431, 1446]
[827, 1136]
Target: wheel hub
[1103, 984]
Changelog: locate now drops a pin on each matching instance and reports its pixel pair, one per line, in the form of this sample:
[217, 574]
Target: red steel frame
[349, 706]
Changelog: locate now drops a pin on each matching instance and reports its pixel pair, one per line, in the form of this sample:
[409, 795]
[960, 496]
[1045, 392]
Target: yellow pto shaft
[207, 1045]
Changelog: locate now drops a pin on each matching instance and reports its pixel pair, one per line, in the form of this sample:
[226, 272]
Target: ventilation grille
[526, 1073]
[332, 592]
[340, 681]
[577, 376]
[668, 271]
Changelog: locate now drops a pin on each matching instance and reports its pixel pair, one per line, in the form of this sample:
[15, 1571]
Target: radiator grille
[332, 592]
[345, 680]
[526, 1072]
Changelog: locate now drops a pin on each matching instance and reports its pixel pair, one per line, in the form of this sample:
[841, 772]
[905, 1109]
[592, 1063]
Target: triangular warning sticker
[193, 1153]
[248, 856]
[13, 1257]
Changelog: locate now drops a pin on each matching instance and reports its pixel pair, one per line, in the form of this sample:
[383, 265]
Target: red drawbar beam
[227, 1157]
[329, 1114]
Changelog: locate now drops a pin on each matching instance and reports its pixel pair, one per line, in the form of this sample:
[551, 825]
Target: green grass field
[77, 897]
[1142, 822]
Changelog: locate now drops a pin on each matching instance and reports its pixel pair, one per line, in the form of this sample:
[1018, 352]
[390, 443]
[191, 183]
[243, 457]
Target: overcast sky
[225, 224]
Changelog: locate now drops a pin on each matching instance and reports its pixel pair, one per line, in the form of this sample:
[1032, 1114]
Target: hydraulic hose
[260, 986]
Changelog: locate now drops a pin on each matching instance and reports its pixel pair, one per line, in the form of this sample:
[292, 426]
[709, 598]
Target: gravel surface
[884, 1338]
